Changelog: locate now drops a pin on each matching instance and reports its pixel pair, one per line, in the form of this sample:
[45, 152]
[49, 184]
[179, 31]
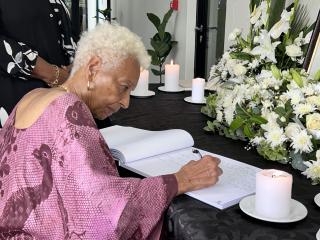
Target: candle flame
[171, 61]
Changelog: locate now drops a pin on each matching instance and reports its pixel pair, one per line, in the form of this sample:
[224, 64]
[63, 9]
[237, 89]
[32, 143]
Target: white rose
[293, 51]
[292, 130]
[313, 121]
[239, 70]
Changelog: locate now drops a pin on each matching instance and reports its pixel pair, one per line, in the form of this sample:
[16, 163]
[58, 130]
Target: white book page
[134, 144]
[237, 181]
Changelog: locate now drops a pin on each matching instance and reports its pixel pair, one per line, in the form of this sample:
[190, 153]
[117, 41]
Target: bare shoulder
[33, 104]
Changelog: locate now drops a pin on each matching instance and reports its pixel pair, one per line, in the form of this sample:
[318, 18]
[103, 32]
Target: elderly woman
[57, 177]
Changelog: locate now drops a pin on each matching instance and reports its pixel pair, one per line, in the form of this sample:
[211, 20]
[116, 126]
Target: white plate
[317, 199]
[162, 88]
[145, 95]
[189, 100]
[318, 235]
[297, 210]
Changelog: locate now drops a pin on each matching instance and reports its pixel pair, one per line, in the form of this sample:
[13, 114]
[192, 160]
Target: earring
[88, 86]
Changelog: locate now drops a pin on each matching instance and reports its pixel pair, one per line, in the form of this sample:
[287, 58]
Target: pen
[196, 151]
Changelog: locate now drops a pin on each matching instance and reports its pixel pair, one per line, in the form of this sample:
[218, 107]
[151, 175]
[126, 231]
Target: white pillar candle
[171, 77]
[197, 94]
[273, 193]
[143, 83]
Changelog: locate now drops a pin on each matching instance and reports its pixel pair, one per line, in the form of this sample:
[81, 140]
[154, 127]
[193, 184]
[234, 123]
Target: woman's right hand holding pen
[199, 174]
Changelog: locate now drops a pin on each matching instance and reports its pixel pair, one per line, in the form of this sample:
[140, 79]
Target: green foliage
[276, 8]
[278, 153]
[246, 121]
[300, 20]
[161, 42]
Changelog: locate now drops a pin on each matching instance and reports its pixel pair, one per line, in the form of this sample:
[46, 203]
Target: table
[188, 218]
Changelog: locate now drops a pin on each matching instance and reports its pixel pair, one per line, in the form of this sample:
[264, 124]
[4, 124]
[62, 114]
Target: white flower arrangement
[262, 94]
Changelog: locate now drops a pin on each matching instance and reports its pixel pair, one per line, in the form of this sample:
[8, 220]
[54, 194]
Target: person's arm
[19, 60]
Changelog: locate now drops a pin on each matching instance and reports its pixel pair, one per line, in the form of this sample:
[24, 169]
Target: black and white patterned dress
[28, 29]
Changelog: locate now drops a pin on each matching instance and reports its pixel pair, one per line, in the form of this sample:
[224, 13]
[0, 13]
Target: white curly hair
[113, 44]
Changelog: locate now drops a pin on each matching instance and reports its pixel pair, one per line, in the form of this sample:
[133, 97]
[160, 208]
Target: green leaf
[154, 58]
[276, 8]
[154, 19]
[280, 111]
[296, 77]
[236, 123]
[300, 20]
[254, 4]
[275, 71]
[241, 56]
[248, 131]
[317, 76]
[163, 25]
[157, 72]
[258, 119]
[242, 113]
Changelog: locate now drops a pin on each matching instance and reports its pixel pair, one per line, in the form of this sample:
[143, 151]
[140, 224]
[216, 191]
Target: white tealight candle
[197, 94]
[143, 83]
[273, 193]
[171, 77]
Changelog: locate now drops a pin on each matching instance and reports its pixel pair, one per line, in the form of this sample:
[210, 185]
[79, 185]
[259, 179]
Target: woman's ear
[93, 66]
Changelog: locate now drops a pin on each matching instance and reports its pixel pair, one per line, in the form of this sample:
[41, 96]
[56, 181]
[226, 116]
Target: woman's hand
[51, 74]
[198, 174]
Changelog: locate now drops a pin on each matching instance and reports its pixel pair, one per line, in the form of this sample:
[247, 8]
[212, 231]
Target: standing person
[35, 46]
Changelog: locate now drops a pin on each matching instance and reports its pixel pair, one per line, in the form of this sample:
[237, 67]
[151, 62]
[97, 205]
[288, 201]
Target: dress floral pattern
[64, 173]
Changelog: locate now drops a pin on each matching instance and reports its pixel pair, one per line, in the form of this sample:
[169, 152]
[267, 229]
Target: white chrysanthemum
[219, 116]
[254, 64]
[303, 109]
[229, 114]
[302, 142]
[313, 169]
[315, 100]
[308, 89]
[275, 137]
[257, 140]
[295, 95]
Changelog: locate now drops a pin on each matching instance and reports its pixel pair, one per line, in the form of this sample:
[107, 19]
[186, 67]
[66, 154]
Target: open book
[154, 153]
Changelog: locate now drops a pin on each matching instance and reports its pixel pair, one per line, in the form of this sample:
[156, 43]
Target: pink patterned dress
[58, 181]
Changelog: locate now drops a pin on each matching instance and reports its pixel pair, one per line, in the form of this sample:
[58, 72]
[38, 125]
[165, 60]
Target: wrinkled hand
[198, 174]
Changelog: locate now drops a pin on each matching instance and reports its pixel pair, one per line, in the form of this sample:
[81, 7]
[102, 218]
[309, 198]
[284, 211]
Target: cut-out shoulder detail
[28, 111]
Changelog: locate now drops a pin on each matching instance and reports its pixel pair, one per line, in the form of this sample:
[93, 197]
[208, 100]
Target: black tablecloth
[188, 218]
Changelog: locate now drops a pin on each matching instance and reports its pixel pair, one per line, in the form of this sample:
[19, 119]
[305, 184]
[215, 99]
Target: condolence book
[154, 153]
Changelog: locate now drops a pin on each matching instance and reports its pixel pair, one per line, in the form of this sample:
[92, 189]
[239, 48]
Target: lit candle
[273, 193]
[197, 94]
[171, 77]
[143, 83]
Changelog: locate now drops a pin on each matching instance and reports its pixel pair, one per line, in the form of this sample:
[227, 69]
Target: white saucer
[297, 211]
[317, 199]
[145, 95]
[189, 100]
[162, 88]
[318, 235]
